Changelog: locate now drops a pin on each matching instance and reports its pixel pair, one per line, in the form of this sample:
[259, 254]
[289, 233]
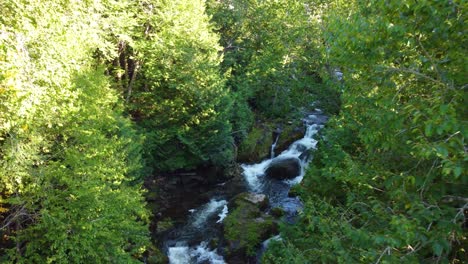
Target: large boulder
[246, 227]
[282, 169]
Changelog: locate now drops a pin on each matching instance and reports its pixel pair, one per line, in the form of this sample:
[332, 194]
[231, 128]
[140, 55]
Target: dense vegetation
[97, 96]
[70, 159]
[388, 183]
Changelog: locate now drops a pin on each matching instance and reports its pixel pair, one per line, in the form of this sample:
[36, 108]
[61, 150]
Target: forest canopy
[97, 97]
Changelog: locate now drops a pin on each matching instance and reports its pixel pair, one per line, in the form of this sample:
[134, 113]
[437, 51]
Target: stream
[198, 239]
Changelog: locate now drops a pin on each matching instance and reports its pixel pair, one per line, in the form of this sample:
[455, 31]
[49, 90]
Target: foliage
[69, 158]
[271, 52]
[180, 100]
[388, 182]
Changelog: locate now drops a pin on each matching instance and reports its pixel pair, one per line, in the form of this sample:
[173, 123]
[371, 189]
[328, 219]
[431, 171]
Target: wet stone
[282, 169]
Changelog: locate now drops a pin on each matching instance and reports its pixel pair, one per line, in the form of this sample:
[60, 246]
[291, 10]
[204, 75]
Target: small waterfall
[266, 242]
[202, 253]
[179, 255]
[206, 211]
[254, 173]
[223, 214]
[273, 146]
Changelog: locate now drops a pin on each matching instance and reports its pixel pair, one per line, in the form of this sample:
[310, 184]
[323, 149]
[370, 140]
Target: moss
[214, 242]
[164, 225]
[292, 131]
[277, 212]
[256, 145]
[246, 227]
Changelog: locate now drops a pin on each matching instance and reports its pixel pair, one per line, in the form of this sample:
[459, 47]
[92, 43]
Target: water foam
[179, 255]
[198, 254]
[202, 253]
[202, 215]
[223, 214]
[254, 173]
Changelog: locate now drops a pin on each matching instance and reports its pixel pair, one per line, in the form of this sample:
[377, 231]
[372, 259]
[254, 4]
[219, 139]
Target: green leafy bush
[388, 182]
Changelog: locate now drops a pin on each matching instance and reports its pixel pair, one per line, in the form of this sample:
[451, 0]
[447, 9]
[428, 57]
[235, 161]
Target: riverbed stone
[282, 169]
[247, 226]
[259, 200]
[300, 147]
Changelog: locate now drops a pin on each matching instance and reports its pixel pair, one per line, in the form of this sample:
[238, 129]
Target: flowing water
[273, 146]
[192, 242]
[277, 191]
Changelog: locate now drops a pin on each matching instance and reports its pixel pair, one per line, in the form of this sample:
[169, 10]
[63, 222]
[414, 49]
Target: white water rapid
[182, 253]
[255, 173]
[207, 210]
[198, 254]
[273, 146]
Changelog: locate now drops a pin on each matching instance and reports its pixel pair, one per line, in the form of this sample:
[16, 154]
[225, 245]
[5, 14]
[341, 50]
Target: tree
[387, 183]
[180, 100]
[272, 54]
[69, 158]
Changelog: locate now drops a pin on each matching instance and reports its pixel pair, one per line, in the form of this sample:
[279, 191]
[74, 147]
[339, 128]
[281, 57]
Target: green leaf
[437, 248]
[428, 129]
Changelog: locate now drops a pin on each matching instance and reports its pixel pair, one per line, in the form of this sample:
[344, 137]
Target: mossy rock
[258, 200]
[256, 145]
[277, 212]
[214, 242]
[151, 196]
[164, 225]
[292, 131]
[246, 227]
